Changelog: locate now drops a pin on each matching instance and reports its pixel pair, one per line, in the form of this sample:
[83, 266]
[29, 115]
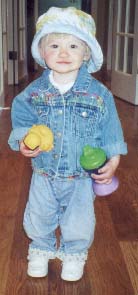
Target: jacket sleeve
[23, 116]
[112, 133]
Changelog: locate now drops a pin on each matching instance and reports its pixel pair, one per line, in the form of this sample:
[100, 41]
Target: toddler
[80, 111]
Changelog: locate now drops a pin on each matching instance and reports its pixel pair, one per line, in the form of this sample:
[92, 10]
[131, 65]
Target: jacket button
[84, 114]
[59, 134]
[60, 112]
[55, 156]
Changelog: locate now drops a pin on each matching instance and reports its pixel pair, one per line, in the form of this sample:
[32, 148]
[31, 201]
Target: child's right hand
[27, 152]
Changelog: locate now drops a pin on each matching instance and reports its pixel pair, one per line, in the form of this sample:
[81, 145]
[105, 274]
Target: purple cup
[103, 189]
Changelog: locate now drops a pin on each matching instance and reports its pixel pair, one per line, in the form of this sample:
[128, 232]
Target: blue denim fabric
[68, 203]
[86, 114]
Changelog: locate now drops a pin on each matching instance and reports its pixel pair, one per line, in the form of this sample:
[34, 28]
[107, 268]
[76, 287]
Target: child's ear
[87, 54]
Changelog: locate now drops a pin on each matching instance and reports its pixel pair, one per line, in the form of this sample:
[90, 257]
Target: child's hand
[27, 152]
[107, 171]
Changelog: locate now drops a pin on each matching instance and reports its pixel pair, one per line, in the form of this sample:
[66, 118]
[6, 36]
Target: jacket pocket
[85, 121]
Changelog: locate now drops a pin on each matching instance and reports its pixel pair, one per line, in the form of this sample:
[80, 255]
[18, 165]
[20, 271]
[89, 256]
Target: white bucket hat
[70, 21]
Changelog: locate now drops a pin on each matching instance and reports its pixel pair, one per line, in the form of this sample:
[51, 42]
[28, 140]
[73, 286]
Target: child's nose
[63, 51]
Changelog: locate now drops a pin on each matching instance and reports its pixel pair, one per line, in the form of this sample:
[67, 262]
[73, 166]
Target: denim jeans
[67, 203]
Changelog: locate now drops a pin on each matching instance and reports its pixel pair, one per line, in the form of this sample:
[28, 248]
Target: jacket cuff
[119, 148]
[15, 136]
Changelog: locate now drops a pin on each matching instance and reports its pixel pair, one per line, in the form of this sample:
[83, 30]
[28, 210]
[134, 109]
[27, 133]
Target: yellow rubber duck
[39, 136]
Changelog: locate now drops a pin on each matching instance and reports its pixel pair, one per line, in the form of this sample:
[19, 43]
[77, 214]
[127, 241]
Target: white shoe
[72, 270]
[38, 263]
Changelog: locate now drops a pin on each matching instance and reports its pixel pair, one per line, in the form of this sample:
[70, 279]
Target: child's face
[63, 53]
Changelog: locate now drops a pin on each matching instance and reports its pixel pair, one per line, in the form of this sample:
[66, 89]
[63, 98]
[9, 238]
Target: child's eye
[54, 46]
[73, 46]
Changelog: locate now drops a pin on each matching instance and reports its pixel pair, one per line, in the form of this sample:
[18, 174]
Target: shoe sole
[36, 274]
[70, 278]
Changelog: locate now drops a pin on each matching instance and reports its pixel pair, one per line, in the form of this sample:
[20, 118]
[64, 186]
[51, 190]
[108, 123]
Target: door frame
[123, 84]
[13, 35]
[1, 62]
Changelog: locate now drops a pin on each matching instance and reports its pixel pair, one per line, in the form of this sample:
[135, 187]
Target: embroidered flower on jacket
[41, 97]
[99, 101]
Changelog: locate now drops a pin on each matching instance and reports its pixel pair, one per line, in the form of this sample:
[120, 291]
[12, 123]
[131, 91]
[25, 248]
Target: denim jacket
[86, 114]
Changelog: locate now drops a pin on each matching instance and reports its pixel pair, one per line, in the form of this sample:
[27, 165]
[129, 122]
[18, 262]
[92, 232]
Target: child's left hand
[107, 171]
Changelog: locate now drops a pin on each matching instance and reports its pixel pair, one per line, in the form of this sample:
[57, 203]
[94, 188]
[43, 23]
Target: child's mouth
[64, 62]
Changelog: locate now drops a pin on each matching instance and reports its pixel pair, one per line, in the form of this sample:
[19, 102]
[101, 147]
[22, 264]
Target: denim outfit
[61, 191]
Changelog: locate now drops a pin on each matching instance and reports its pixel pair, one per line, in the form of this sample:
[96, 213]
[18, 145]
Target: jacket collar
[81, 84]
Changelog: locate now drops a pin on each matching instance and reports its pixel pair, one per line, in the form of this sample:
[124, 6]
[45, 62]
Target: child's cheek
[49, 57]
